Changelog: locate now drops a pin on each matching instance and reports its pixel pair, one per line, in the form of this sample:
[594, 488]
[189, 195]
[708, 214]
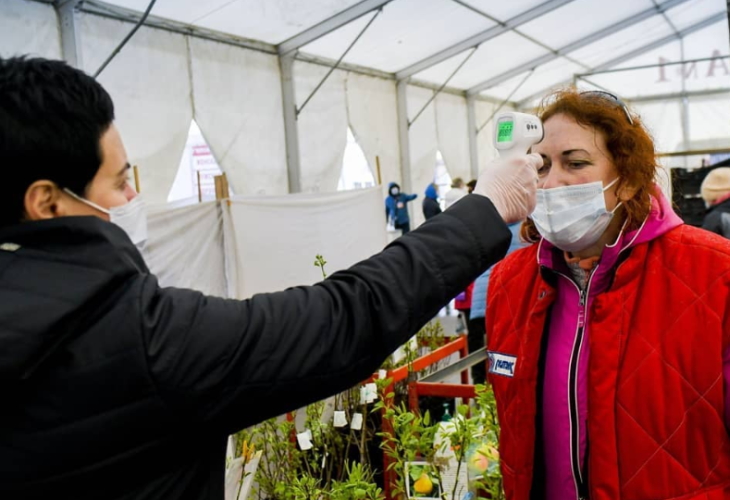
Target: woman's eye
[578, 164]
[543, 170]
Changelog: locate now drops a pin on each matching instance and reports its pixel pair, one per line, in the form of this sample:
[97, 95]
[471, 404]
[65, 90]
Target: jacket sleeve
[230, 363]
[411, 197]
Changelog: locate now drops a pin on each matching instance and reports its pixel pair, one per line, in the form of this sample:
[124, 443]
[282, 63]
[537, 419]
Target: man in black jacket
[115, 388]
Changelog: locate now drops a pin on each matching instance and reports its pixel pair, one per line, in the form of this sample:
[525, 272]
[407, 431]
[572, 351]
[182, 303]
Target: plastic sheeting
[29, 28]
[186, 247]
[244, 130]
[453, 134]
[277, 238]
[149, 82]
[322, 127]
[372, 113]
[423, 140]
[485, 145]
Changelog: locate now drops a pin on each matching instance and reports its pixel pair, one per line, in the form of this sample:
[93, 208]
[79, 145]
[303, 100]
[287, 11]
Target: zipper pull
[582, 311]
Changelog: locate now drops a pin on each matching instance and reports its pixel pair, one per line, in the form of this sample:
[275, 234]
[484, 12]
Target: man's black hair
[52, 117]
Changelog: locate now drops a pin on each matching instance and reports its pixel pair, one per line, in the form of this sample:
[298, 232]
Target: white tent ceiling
[555, 43]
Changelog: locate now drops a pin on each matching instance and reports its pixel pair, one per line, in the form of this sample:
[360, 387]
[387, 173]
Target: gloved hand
[511, 185]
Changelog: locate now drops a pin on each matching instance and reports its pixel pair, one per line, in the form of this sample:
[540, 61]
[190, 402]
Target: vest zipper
[581, 488]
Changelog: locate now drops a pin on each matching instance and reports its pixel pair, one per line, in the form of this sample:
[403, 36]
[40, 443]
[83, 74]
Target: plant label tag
[356, 423]
[371, 392]
[340, 419]
[304, 440]
[363, 395]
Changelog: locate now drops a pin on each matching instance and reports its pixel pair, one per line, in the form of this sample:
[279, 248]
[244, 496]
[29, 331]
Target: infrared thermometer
[516, 133]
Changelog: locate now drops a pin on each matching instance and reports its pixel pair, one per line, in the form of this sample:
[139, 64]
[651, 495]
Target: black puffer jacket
[114, 388]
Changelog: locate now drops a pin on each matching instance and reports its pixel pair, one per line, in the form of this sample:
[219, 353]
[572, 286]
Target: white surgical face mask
[131, 217]
[573, 217]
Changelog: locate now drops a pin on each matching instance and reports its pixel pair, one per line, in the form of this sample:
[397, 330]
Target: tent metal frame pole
[649, 66]
[471, 123]
[101, 9]
[70, 32]
[442, 86]
[339, 61]
[479, 38]
[571, 47]
[291, 130]
[635, 53]
[678, 95]
[329, 25]
[403, 135]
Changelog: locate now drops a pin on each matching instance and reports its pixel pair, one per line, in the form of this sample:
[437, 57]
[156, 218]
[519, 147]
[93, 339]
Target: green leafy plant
[327, 471]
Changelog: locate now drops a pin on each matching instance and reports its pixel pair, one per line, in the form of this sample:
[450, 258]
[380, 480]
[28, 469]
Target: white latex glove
[511, 185]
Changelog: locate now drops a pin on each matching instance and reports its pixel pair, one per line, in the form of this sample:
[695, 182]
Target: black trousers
[405, 227]
[477, 339]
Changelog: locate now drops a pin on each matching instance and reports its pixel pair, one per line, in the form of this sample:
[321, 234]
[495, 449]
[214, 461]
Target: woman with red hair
[609, 335]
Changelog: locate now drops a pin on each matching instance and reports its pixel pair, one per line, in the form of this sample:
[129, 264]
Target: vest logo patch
[502, 364]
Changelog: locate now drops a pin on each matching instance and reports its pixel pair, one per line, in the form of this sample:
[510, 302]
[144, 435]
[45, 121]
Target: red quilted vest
[655, 384]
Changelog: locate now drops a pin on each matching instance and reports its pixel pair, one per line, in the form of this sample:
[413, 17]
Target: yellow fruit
[424, 485]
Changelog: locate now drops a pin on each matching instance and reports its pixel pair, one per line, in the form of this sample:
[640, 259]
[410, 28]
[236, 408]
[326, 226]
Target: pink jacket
[569, 313]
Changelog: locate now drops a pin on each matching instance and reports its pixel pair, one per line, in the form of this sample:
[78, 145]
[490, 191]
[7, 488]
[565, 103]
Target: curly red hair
[630, 145]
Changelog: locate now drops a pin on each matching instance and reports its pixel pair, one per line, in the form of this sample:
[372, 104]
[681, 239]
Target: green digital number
[504, 132]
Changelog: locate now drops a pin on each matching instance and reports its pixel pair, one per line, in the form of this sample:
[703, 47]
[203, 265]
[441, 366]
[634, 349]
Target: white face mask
[132, 217]
[573, 217]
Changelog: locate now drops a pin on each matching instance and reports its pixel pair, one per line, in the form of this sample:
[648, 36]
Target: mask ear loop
[85, 201]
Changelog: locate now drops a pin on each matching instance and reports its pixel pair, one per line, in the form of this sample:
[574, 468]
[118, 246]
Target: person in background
[431, 205]
[471, 185]
[609, 336]
[456, 192]
[116, 388]
[462, 303]
[396, 208]
[476, 325]
[715, 190]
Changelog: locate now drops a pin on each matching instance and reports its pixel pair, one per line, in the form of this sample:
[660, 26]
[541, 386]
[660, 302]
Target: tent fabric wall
[423, 140]
[709, 122]
[29, 28]
[485, 146]
[322, 126]
[238, 107]
[663, 120]
[453, 134]
[373, 117]
[186, 247]
[149, 82]
[278, 237]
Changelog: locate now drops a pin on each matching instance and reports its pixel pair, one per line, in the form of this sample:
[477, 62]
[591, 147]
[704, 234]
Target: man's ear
[43, 201]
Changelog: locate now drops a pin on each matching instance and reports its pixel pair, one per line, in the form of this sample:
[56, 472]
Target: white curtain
[373, 116]
[453, 134]
[423, 146]
[186, 246]
[485, 144]
[322, 127]
[29, 28]
[237, 100]
[278, 237]
[150, 84]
